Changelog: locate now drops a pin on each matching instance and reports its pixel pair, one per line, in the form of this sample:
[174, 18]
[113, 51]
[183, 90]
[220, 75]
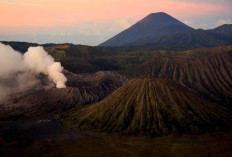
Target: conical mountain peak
[152, 26]
[160, 19]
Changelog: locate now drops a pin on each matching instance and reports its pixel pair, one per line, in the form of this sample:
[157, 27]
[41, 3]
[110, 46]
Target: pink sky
[94, 21]
[70, 12]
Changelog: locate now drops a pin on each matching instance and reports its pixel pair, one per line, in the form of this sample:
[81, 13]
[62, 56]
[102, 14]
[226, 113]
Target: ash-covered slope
[151, 107]
[42, 98]
[210, 76]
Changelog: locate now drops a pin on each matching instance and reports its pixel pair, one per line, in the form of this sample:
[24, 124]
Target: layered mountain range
[163, 92]
[183, 93]
[161, 29]
[210, 75]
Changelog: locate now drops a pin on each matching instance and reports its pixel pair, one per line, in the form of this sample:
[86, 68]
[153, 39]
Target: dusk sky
[91, 22]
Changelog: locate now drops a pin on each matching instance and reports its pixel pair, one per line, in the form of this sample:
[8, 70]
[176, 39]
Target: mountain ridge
[211, 76]
[191, 39]
[161, 29]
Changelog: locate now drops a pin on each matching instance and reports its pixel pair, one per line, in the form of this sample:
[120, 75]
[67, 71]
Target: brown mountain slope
[210, 75]
[41, 99]
[151, 107]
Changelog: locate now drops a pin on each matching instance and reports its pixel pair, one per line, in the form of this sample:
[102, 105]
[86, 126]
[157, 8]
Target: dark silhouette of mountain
[162, 30]
[19, 46]
[192, 39]
[153, 26]
[23, 46]
[152, 107]
[225, 29]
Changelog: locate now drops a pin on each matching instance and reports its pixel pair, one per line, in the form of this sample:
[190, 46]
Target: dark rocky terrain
[43, 98]
[188, 90]
[38, 128]
[206, 71]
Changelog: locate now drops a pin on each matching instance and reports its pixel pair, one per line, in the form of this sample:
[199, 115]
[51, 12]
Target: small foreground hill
[151, 107]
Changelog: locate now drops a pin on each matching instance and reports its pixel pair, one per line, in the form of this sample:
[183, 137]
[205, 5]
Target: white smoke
[24, 68]
[39, 61]
[11, 61]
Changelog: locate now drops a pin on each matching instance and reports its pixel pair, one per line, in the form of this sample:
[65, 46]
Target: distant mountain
[19, 46]
[151, 107]
[162, 30]
[153, 26]
[192, 39]
[225, 29]
[23, 46]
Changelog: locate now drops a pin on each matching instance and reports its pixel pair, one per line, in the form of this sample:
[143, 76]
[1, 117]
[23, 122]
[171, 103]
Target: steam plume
[11, 61]
[36, 60]
[39, 61]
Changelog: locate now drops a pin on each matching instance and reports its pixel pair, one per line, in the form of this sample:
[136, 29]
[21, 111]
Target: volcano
[151, 107]
[152, 26]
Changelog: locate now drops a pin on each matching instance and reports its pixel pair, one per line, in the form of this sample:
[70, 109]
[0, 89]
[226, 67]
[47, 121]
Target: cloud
[196, 24]
[10, 1]
[88, 32]
[189, 22]
[223, 21]
[123, 23]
